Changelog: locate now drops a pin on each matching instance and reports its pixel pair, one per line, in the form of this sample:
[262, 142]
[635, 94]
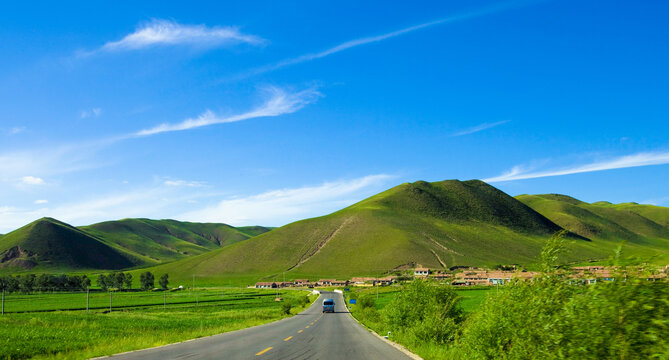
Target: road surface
[308, 335]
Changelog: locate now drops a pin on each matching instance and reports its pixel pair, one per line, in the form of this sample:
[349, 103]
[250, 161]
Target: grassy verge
[371, 317]
[81, 335]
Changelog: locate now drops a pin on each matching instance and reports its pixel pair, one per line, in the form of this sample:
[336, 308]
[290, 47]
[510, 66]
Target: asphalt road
[308, 335]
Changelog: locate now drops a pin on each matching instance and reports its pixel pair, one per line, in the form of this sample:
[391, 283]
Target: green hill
[437, 225]
[644, 227]
[50, 244]
[155, 241]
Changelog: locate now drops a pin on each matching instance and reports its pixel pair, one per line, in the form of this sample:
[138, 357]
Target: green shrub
[286, 306]
[425, 312]
[365, 301]
[550, 319]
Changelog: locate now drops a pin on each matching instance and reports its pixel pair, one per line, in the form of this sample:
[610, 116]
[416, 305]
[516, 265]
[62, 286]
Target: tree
[102, 282]
[85, 282]
[27, 283]
[119, 280]
[147, 280]
[163, 281]
[128, 281]
[4, 283]
[43, 282]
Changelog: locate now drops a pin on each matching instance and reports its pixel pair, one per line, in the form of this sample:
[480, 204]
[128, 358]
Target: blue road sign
[351, 301]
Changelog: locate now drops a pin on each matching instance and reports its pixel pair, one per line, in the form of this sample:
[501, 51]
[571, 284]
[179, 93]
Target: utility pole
[377, 289]
[88, 290]
[3, 301]
[164, 299]
[110, 301]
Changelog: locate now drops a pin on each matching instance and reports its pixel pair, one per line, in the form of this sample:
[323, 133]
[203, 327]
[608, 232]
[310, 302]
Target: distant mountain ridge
[50, 244]
[436, 225]
[430, 224]
[641, 226]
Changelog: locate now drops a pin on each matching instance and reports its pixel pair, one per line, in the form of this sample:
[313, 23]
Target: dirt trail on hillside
[443, 264]
[311, 252]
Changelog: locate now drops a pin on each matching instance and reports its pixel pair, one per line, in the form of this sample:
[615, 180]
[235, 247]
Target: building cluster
[473, 276]
[356, 281]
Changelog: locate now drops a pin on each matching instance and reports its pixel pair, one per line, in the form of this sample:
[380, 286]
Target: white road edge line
[189, 340]
[391, 343]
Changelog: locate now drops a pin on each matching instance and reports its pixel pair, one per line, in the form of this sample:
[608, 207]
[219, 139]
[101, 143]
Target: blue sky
[270, 112]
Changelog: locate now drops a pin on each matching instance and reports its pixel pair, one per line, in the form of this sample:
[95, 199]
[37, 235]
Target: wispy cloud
[49, 160]
[32, 180]
[155, 201]
[628, 161]
[16, 130]
[374, 39]
[95, 112]
[278, 207]
[280, 102]
[478, 128]
[68, 158]
[183, 183]
[164, 32]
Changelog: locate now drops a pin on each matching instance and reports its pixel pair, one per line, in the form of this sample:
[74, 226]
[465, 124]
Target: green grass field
[127, 300]
[81, 334]
[471, 298]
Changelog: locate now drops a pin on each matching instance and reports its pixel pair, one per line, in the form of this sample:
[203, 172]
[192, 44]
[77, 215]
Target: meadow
[144, 322]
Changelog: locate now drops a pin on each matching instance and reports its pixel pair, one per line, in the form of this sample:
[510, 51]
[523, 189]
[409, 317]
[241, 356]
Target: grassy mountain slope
[48, 243]
[437, 225]
[658, 214]
[606, 222]
[155, 241]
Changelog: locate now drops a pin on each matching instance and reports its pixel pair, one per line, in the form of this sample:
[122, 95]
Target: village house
[385, 281]
[499, 277]
[300, 282]
[362, 281]
[468, 278]
[326, 282]
[266, 285]
[421, 272]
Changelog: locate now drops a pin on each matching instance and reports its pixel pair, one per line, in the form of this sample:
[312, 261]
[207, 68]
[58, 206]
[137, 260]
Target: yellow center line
[299, 331]
[288, 338]
[264, 351]
[307, 327]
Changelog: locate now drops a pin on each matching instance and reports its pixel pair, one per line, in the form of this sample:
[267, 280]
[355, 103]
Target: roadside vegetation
[144, 322]
[549, 318]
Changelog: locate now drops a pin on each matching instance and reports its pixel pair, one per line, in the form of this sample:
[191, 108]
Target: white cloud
[39, 202]
[279, 103]
[628, 161]
[183, 183]
[32, 180]
[373, 39]
[17, 130]
[95, 112]
[162, 201]
[165, 32]
[278, 207]
[49, 160]
[478, 128]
